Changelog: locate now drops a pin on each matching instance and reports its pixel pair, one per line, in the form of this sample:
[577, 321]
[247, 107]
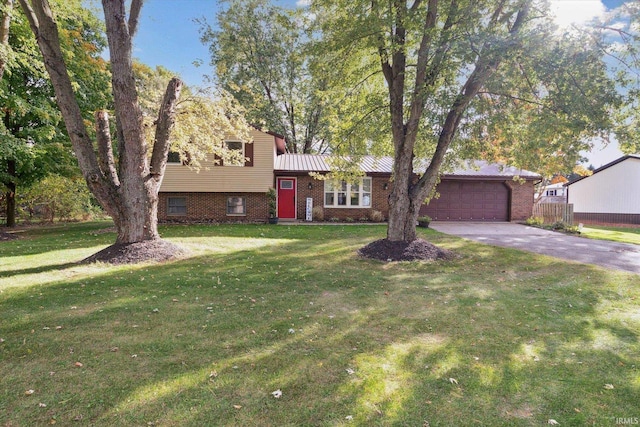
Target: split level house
[238, 192]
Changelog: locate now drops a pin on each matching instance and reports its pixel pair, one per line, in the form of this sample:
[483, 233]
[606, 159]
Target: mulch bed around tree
[151, 250]
[7, 236]
[418, 250]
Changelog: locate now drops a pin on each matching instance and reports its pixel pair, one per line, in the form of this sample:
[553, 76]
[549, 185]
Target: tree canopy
[261, 56]
[461, 79]
[34, 138]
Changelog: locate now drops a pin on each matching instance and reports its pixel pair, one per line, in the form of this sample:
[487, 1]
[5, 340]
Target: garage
[467, 200]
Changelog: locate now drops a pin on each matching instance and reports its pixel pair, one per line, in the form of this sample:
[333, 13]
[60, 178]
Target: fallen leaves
[78, 364]
[453, 381]
[29, 392]
[277, 394]
[553, 422]
[609, 387]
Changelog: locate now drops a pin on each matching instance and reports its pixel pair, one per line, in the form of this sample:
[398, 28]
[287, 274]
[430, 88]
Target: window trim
[337, 185]
[244, 206]
[169, 213]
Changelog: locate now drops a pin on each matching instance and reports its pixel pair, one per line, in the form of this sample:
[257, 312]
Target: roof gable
[607, 166]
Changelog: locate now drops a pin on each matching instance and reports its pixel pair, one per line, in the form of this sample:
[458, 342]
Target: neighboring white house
[553, 193]
[610, 195]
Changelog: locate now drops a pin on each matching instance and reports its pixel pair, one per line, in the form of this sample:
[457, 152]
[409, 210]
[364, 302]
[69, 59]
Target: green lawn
[497, 337]
[617, 234]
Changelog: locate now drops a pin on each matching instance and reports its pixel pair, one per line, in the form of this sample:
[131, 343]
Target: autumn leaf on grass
[453, 381]
[29, 392]
[277, 394]
[609, 387]
[553, 422]
[237, 406]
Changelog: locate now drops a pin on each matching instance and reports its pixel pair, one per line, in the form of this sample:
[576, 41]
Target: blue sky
[168, 36]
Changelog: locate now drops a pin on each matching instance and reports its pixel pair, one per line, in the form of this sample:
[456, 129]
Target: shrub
[535, 221]
[424, 218]
[349, 219]
[565, 228]
[318, 213]
[334, 219]
[363, 219]
[376, 216]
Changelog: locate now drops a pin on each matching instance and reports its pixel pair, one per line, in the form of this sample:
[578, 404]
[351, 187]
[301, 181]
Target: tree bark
[5, 24]
[10, 195]
[410, 190]
[130, 194]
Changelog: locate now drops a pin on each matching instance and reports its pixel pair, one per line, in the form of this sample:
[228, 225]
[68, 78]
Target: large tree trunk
[10, 195]
[128, 193]
[410, 190]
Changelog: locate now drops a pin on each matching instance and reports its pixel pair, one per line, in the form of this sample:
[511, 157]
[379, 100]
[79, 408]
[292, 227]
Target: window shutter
[248, 153]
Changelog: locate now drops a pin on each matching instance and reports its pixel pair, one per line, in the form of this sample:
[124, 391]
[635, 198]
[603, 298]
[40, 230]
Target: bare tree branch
[105, 149]
[134, 14]
[166, 120]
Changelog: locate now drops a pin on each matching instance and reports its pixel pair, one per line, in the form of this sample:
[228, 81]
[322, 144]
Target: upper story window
[173, 157]
[339, 194]
[237, 147]
[242, 156]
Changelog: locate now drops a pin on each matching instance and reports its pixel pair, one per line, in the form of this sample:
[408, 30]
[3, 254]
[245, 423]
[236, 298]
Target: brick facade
[521, 199]
[213, 207]
[379, 199]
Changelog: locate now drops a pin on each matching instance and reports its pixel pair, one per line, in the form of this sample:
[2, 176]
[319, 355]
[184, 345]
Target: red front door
[286, 198]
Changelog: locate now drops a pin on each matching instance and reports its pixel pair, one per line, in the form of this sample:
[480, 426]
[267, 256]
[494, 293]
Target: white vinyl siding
[615, 189]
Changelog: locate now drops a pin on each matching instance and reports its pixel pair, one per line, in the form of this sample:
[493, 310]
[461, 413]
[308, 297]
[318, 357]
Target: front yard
[286, 326]
[616, 234]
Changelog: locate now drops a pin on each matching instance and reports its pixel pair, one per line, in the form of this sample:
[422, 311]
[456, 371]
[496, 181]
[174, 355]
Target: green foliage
[259, 51]
[535, 221]
[564, 227]
[58, 197]
[205, 118]
[271, 201]
[33, 134]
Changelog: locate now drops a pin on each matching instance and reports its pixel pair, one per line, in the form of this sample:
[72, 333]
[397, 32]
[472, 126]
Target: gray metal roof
[371, 164]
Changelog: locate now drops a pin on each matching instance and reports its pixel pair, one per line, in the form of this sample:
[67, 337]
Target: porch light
[310, 186]
[385, 186]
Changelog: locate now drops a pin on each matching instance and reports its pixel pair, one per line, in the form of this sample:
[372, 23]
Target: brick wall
[379, 199]
[213, 207]
[521, 199]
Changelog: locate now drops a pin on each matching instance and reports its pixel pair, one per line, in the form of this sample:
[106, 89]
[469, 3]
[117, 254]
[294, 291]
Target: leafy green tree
[34, 139]
[453, 71]
[619, 38]
[58, 197]
[260, 54]
[124, 179]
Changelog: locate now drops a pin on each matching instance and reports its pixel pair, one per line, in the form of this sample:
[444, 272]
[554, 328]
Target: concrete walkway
[613, 255]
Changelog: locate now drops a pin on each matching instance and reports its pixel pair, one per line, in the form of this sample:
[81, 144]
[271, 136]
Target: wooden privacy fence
[554, 212]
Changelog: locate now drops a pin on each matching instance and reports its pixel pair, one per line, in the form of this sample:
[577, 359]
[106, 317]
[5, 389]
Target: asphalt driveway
[613, 255]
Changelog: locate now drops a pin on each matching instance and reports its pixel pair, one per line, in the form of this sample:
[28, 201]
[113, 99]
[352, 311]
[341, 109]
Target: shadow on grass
[497, 337]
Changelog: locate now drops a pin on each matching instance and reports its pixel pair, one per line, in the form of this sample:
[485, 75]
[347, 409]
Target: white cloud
[303, 3]
[576, 12]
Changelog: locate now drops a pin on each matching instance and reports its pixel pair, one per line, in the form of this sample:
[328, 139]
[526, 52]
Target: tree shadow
[206, 340]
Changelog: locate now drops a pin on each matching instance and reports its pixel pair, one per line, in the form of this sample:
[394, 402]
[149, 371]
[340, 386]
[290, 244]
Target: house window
[552, 193]
[238, 156]
[173, 157]
[236, 206]
[176, 206]
[344, 194]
